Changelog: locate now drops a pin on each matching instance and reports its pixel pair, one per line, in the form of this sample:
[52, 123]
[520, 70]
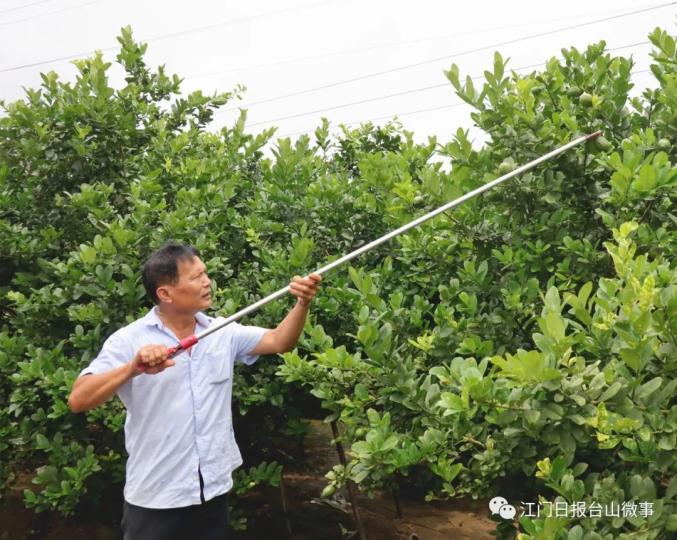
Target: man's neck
[181, 323]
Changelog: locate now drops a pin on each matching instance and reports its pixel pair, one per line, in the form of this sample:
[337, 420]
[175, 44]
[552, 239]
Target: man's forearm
[289, 330]
[90, 391]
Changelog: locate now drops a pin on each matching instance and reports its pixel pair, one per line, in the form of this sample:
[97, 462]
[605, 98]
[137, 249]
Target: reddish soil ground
[307, 516]
[310, 518]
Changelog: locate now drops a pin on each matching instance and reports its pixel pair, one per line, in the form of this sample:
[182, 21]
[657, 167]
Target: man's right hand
[92, 390]
[151, 359]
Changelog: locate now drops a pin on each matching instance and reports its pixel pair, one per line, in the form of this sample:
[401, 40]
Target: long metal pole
[192, 340]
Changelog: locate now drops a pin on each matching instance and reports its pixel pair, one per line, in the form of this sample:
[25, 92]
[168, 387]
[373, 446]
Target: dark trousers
[206, 521]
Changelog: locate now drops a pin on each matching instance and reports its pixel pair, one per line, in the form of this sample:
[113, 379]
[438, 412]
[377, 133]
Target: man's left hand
[305, 288]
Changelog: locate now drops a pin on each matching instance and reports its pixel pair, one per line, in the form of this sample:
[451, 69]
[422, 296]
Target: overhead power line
[429, 109]
[352, 103]
[453, 55]
[25, 6]
[278, 63]
[241, 19]
[405, 92]
[411, 113]
[173, 34]
[49, 13]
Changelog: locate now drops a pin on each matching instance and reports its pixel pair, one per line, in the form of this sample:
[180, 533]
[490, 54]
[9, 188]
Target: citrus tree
[529, 336]
[92, 179]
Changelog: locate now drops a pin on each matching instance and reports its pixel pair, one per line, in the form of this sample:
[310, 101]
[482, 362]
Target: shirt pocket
[217, 367]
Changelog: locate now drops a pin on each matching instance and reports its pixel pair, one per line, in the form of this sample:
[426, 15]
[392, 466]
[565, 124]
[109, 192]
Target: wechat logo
[500, 506]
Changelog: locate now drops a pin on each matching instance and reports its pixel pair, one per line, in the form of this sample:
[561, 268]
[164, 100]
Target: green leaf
[575, 533]
[30, 498]
[631, 358]
[499, 66]
[42, 442]
[451, 402]
[671, 523]
[647, 179]
[647, 389]
[552, 301]
[555, 325]
[584, 293]
[88, 254]
[389, 443]
[611, 391]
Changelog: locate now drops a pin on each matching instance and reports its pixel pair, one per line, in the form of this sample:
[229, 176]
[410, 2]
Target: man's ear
[163, 294]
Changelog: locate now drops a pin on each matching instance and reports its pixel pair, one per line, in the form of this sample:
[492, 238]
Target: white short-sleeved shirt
[179, 420]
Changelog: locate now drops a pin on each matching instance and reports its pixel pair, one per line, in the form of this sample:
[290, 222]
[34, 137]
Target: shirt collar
[152, 319]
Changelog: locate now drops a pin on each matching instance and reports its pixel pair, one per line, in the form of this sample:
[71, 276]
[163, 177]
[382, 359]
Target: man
[178, 430]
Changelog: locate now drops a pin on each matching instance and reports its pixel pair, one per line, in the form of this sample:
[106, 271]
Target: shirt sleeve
[115, 352]
[245, 338]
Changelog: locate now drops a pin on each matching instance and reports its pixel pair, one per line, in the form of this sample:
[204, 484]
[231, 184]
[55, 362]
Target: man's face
[191, 291]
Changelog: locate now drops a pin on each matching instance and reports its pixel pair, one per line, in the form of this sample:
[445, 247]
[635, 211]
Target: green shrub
[529, 335]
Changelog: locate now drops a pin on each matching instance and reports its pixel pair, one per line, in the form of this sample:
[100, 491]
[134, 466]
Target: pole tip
[593, 135]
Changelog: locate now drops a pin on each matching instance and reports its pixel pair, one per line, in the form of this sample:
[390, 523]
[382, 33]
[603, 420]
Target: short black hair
[161, 267]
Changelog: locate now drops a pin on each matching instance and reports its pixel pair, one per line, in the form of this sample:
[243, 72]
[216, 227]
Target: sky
[302, 60]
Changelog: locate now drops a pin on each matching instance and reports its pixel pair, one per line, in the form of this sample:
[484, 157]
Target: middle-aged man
[179, 430]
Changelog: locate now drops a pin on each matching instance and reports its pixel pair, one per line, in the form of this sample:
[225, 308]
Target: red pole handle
[184, 345]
